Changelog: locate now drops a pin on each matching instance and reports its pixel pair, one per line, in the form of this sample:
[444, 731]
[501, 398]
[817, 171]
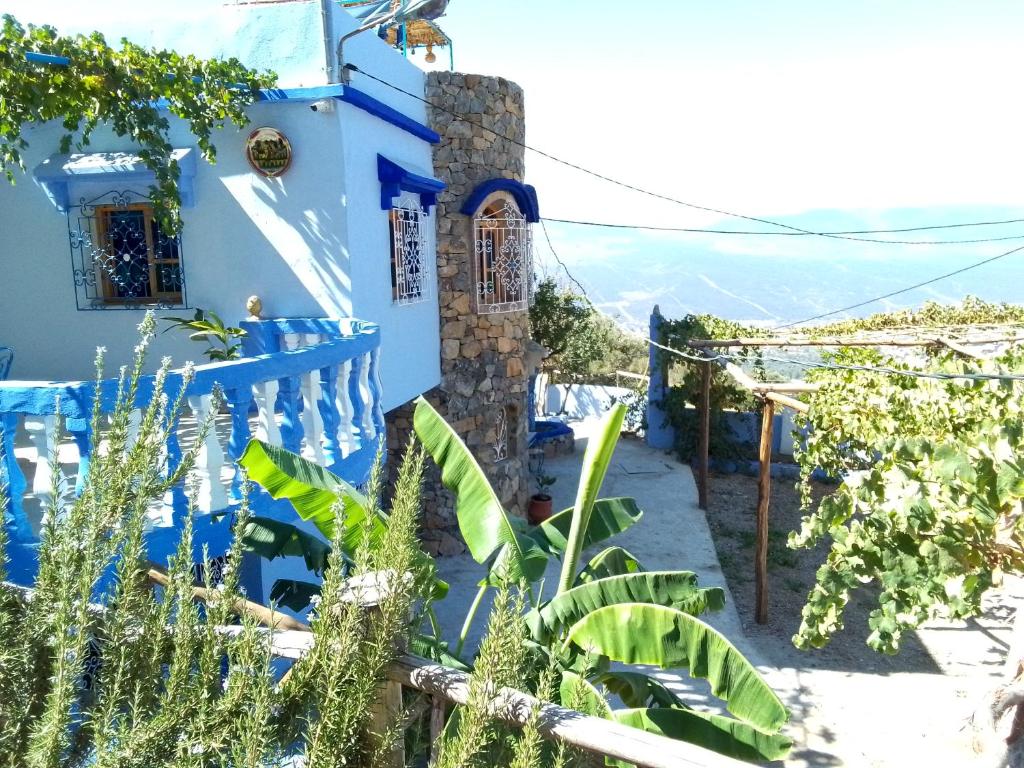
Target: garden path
[840, 717]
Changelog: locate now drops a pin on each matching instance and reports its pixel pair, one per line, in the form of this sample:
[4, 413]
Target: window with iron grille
[410, 260]
[503, 258]
[121, 259]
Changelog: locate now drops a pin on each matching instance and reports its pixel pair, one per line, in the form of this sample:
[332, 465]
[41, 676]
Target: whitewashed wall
[313, 242]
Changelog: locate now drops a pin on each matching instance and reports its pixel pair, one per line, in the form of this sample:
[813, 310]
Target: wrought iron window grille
[501, 436]
[410, 254]
[503, 259]
[120, 259]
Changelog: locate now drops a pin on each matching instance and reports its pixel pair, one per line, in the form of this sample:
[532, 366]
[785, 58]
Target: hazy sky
[824, 113]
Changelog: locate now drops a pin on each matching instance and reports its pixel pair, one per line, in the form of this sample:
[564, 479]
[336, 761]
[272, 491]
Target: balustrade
[309, 385]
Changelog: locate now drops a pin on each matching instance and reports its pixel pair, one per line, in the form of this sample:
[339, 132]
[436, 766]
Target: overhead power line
[604, 177]
[728, 357]
[914, 287]
[645, 227]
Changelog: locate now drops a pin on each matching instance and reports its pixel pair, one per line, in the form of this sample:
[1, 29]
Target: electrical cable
[603, 177]
[804, 234]
[858, 305]
[728, 357]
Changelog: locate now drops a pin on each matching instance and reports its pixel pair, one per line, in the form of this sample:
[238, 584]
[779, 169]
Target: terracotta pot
[539, 509]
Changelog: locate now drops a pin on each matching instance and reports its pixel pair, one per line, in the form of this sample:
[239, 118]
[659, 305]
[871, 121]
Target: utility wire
[788, 234]
[603, 177]
[649, 193]
[859, 304]
[732, 357]
[805, 234]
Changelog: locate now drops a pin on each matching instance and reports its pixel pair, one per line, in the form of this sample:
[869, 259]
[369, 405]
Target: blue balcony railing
[309, 385]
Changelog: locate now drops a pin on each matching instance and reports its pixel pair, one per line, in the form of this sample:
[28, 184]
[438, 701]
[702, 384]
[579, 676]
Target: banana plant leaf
[614, 561]
[675, 589]
[293, 594]
[595, 466]
[638, 690]
[577, 693]
[715, 732]
[271, 538]
[429, 647]
[609, 517]
[485, 527]
[636, 633]
[313, 491]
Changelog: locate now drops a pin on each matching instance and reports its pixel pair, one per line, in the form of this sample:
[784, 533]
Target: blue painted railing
[311, 385]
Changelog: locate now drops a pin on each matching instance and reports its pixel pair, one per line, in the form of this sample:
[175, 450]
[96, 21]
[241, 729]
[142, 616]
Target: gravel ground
[732, 501]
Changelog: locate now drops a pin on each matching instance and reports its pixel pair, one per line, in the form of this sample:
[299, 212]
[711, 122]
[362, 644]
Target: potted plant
[540, 503]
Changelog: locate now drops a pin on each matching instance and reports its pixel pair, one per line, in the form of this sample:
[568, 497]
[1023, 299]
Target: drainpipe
[344, 73]
[325, 15]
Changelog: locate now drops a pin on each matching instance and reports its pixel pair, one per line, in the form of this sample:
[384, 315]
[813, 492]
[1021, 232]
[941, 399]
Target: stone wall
[483, 373]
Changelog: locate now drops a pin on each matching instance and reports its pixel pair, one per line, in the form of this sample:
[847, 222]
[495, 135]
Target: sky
[819, 114]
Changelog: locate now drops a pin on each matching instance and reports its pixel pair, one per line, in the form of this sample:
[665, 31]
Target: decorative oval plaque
[269, 151]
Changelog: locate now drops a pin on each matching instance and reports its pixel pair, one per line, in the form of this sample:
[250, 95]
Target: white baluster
[265, 395]
[42, 431]
[291, 341]
[346, 437]
[312, 419]
[212, 496]
[369, 428]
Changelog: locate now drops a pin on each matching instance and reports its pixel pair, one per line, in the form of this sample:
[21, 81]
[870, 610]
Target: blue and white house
[338, 243]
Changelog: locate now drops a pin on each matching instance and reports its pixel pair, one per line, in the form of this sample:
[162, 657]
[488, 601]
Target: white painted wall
[585, 401]
[313, 242]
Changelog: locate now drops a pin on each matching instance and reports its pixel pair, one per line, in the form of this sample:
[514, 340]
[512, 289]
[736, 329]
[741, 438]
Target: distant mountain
[770, 281]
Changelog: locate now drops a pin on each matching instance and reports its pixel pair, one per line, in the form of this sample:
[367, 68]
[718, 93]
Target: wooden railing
[310, 385]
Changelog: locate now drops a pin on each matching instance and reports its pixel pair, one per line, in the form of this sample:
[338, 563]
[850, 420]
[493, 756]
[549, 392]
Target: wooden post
[764, 490]
[704, 435]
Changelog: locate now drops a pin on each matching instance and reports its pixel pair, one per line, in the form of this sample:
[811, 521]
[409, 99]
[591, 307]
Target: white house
[341, 228]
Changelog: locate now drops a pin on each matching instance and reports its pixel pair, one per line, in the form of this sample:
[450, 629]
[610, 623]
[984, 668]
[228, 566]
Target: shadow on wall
[581, 401]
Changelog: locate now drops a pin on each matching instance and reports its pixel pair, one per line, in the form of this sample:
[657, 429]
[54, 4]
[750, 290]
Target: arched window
[503, 257]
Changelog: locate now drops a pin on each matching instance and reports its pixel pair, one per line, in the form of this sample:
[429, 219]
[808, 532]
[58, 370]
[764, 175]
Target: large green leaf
[637, 689]
[577, 693]
[715, 732]
[485, 527]
[614, 561]
[636, 633]
[595, 466]
[312, 490]
[271, 538]
[610, 516]
[675, 589]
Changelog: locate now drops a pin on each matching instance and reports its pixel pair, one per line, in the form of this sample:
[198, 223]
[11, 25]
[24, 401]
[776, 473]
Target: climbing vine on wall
[131, 89]
[684, 382]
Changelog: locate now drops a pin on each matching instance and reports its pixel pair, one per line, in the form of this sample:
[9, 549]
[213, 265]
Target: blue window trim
[394, 179]
[56, 174]
[524, 194]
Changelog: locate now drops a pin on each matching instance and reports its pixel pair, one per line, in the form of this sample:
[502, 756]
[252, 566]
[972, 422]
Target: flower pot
[539, 509]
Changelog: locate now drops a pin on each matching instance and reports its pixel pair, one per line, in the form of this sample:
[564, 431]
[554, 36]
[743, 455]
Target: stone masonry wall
[482, 356]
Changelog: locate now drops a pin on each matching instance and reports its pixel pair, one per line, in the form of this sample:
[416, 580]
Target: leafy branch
[124, 89]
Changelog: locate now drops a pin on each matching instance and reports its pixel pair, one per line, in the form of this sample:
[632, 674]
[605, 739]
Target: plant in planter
[206, 326]
[540, 503]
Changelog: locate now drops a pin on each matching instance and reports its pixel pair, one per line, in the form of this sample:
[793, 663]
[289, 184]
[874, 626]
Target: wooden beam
[262, 614]
[789, 402]
[745, 381]
[593, 734]
[840, 341]
[764, 490]
[703, 435]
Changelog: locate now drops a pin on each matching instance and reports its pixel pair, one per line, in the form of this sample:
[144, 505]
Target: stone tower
[483, 274]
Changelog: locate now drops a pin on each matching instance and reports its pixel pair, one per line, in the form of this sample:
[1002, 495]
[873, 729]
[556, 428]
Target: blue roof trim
[388, 114]
[394, 179]
[58, 172]
[524, 194]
